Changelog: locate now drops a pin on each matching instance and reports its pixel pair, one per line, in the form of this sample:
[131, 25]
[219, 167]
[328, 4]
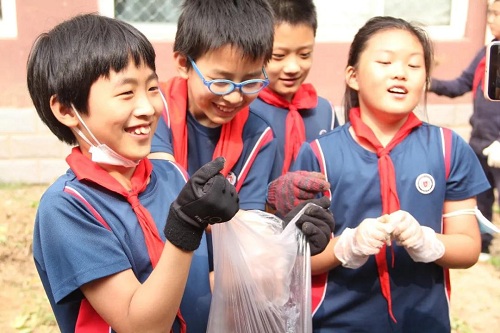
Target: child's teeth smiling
[142, 130]
[397, 90]
[225, 109]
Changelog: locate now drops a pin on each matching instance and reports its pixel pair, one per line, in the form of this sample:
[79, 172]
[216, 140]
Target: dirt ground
[475, 299]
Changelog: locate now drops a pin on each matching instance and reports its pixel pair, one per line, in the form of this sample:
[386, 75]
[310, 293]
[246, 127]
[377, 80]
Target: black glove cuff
[182, 234]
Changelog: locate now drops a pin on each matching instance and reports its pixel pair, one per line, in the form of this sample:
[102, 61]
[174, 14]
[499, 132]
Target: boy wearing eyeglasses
[220, 50]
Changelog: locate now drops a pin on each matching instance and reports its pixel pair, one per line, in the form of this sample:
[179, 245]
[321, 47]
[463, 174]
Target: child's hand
[407, 231]
[493, 154]
[354, 246]
[207, 198]
[293, 188]
[316, 223]
[420, 242]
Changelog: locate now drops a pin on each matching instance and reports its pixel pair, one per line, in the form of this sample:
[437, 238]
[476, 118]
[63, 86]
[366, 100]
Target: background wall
[30, 153]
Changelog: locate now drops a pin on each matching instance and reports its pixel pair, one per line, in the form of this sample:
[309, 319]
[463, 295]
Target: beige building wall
[30, 153]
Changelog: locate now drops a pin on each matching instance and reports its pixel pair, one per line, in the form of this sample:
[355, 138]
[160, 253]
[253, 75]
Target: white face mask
[101, 153]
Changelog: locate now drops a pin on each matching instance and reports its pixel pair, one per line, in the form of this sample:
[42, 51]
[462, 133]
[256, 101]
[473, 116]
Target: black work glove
[316, 223]
[207, 198]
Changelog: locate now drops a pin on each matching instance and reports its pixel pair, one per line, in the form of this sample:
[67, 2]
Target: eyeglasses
[224, 87]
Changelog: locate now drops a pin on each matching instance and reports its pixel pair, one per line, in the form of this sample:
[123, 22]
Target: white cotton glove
[493, 154]
[354, 246]
[420, 242]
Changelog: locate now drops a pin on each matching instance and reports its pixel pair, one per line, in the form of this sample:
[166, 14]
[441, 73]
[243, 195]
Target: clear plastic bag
[262, 276]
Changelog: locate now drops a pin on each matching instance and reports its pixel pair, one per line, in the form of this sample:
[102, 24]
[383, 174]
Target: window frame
[8, 22]
[329, 32]
[326, 32]
[153, 31]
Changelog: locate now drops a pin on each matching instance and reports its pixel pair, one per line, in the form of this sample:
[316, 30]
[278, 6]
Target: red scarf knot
[295, 134]
[134, 201]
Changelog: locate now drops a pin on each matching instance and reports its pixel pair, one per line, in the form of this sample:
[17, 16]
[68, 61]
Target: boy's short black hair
[207, 25]
[69, 58]
[295, 12]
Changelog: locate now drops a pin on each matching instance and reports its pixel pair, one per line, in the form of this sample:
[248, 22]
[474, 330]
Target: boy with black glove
[97, 243]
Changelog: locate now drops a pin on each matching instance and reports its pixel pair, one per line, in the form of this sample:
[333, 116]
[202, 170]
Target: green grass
[38, 316]
[495, 261]
[12, 186]
[460, 326]
[17, 186]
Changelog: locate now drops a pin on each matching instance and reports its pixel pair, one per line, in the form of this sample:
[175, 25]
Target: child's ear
[351, 78]
[65, 115]
[181, 63]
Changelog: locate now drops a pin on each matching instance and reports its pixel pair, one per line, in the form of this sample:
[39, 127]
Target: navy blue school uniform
[84, 232]
[352, 300]
[252, 171]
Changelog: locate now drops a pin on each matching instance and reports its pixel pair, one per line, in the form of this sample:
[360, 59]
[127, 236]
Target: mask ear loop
[77, 130]
[468, 211]
[484, 224]
[80, 133]
[166, 107]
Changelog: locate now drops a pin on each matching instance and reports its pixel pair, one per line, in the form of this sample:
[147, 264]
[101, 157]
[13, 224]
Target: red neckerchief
[388, 191]
[230, 144]
[295, 133]
[478, 75]
[85, 169]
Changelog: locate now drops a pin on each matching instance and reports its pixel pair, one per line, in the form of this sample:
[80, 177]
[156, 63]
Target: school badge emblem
[425, 183]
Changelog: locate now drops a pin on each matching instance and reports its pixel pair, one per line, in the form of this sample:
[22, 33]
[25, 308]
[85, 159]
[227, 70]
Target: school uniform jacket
[84, 232]
[252, 171]
[350, 300]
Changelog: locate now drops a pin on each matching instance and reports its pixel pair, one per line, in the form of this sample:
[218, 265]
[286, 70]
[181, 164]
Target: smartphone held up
[492, 74]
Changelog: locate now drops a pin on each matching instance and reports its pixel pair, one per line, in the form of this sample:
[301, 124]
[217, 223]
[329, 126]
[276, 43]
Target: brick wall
[454, 116]
[29, 152]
